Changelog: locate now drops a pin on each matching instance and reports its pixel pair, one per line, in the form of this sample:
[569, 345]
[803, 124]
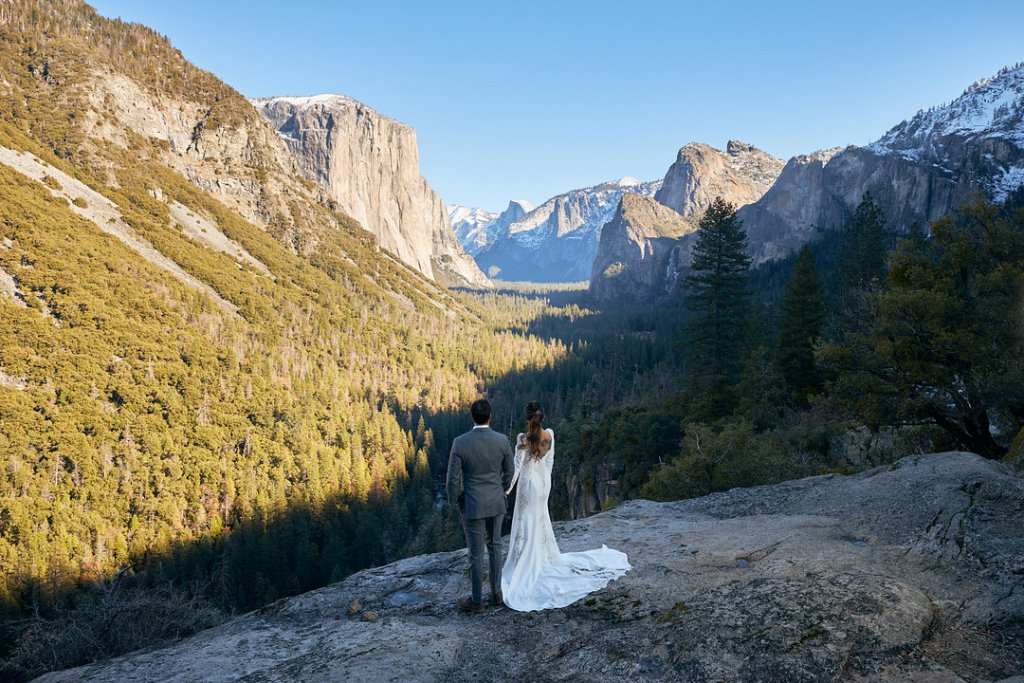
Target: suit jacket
[480, 468]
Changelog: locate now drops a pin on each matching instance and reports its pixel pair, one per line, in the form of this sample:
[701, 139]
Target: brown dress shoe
[497, 600]
[469, 605]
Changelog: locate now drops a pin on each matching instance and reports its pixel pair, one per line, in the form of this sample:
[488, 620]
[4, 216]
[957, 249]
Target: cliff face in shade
[369, 164]
[642, 247]
[909, 572]
[740, 175]
[919, 171]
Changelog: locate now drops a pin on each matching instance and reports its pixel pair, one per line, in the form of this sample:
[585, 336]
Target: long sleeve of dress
[517, 467]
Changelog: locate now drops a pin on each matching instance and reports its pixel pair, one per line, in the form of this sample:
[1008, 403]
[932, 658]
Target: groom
[480, 468]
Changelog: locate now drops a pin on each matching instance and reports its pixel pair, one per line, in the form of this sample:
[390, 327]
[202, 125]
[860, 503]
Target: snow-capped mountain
[919, 171]
[466, 218]
[479, 228]
[989, 116]
[557, 241]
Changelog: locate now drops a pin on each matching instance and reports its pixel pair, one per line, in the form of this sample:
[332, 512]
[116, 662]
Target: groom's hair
[481, 411]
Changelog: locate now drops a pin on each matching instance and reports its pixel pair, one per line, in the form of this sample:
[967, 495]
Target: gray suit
[480, 468]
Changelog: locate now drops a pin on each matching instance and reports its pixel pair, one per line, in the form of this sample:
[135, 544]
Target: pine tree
[719, 296]
[803, 316]
[864, 248]
[943, 343]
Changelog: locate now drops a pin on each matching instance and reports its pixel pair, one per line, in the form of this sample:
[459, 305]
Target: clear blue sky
[528, 99]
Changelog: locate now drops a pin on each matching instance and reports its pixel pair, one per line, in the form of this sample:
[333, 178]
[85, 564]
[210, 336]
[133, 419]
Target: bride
[536, 575]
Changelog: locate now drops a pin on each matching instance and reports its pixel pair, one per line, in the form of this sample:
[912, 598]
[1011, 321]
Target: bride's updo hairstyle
[534, 428]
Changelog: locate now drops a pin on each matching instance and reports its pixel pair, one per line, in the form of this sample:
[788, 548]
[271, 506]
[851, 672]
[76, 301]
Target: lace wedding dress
[536, 575]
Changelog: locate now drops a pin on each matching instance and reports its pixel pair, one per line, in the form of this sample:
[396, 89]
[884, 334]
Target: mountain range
[558, 241]
[920, 170]
[554, 242]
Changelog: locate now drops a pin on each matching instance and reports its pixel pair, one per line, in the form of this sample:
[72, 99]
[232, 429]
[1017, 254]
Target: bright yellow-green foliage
[280, 444]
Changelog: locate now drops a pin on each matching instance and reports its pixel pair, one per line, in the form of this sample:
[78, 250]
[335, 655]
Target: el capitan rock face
[910, 572]
[369, 165]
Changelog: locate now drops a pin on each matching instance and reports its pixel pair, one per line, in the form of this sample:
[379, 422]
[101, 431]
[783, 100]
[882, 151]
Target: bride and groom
[482, 471]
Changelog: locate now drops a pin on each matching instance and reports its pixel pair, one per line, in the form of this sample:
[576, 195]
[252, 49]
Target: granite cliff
[558, 240]
[741, 175]
[640, 248]
[642, 255]
[909, 572]
[369, 165]
[919, 171]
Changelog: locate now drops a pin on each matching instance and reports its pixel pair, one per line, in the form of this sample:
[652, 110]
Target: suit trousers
[480, 533]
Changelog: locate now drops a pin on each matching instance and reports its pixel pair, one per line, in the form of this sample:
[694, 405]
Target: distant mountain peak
[741, 174]
[556, 241]
[989, 107]
[521, 204]
[990, 112]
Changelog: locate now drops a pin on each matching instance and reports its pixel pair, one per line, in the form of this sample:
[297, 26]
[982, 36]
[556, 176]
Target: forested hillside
[241, 421]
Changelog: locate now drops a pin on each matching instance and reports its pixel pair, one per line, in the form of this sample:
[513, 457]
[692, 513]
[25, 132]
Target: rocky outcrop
[642, 249]
[557, 241]
[740, 175]
[910, 572]
[919, 171]
[369, 165]
[639, 255]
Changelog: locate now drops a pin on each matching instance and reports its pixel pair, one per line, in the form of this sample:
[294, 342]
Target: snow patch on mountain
[557, 241]
[470, 225]
[1011, 179]
[992, 107]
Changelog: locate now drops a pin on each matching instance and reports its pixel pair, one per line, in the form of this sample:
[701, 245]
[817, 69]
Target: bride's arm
[518, 464]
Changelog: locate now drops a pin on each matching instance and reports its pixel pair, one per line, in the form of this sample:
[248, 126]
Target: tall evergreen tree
[864, 247]
[803, 315]
[718, 284]
[944, 344]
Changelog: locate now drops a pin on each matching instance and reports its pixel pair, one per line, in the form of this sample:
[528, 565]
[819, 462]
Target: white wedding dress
[536, 575]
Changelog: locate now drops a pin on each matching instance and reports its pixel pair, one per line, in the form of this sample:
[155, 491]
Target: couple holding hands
[483, 469]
